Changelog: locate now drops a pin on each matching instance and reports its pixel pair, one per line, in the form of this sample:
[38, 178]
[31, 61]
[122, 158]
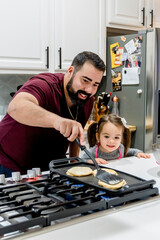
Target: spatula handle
[83, 148]
[78, 142]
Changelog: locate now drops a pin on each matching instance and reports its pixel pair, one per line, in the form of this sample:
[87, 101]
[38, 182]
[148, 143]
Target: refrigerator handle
[151, 12]
[143, 10]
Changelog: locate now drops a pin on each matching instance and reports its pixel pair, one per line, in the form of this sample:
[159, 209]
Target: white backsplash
[1, 117]
[8, 84]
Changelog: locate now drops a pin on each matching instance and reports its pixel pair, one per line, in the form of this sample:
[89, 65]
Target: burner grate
[37, 203]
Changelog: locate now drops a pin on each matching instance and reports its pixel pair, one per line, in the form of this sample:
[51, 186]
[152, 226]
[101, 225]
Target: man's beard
[74, 95]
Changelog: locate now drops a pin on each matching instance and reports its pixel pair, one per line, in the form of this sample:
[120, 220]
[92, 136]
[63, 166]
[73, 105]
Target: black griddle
[134, 183]
[32, 204]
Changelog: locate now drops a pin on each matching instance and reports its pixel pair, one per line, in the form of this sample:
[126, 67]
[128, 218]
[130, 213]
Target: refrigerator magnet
[113, 52]
[116, 81]
[116, 53]
[123, 38]
[130, 47]
[130, 76]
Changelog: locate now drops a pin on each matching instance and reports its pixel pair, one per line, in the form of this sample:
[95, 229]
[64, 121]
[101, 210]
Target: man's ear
[69, 72]
[70, 69]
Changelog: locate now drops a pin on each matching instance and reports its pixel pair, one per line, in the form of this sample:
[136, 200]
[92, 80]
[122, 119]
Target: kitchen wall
[8, 84]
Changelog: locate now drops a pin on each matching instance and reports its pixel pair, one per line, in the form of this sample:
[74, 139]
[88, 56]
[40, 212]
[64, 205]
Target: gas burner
[32, 202]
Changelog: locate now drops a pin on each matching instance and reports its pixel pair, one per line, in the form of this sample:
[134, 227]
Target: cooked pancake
[105, 185]
[116, 186]
[107, 170]
[79, 171]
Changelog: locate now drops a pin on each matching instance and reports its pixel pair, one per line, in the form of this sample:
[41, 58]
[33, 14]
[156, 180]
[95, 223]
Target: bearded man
[47, 114]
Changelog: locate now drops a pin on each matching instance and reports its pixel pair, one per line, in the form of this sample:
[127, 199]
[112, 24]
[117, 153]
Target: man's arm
[24, 108]
[74, 149]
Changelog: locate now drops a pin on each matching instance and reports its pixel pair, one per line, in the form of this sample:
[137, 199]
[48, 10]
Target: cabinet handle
[143, 10]
[151, 18]
[60, 58]
[47, 50]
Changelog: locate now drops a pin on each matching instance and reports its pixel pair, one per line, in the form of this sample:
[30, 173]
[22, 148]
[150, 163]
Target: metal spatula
[102, 175]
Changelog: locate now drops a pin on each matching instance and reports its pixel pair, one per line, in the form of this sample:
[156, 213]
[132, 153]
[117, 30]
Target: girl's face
[110, 137]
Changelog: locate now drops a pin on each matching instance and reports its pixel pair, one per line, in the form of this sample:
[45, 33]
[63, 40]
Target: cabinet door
[24, 34]
[156, 13]
[79, 26]
[125, 12]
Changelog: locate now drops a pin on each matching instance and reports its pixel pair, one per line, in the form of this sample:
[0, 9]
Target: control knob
[16, 176]
[37, 171]
[31, 173]
[2, 179]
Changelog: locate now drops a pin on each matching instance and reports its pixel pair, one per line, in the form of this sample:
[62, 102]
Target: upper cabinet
[45, 35]
[24, 35]
[154, 10]
[79, 26]
[125, 12]
[137, 14]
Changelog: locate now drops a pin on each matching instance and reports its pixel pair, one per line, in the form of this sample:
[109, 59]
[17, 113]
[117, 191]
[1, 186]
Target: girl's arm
[92, 151]
[138, 153]
[99, 161]
[143, 155]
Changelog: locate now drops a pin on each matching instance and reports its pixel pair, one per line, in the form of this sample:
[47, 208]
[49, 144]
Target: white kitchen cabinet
[129, 14]
[24, 35]
[154, 11]
[125, 12]
[79, 26]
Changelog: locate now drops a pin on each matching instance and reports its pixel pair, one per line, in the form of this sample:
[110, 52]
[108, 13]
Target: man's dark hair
[89, 57]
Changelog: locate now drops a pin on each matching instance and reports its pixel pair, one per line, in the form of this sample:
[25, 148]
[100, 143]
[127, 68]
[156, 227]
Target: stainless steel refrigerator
[139, 102]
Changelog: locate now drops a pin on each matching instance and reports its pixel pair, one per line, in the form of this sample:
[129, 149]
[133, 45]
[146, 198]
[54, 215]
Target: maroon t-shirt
[23, 147]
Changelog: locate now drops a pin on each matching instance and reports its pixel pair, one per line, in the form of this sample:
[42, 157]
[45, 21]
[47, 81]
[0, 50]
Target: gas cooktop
[33, 202]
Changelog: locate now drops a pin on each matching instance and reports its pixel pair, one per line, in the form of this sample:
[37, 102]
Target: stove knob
[37, 171]
[31, 173]
[16, 176]
[2, 179]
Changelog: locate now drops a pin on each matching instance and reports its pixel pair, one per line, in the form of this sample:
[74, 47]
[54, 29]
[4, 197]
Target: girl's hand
[143, 155]
[99, 161]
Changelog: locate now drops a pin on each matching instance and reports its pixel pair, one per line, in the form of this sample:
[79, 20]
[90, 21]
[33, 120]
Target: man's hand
[70, 129]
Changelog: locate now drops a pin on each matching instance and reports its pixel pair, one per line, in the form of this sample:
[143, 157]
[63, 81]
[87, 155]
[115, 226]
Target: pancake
[112, 187]
[105, 185]
[79, 171]
[107, 170]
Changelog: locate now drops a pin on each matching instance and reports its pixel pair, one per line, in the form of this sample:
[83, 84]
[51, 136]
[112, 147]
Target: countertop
[139, 220]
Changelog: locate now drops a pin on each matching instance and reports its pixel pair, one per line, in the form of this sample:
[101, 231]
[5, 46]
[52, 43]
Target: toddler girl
[110, 139]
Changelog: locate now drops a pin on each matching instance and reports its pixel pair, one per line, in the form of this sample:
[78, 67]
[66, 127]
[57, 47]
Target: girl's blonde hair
[97, 128]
